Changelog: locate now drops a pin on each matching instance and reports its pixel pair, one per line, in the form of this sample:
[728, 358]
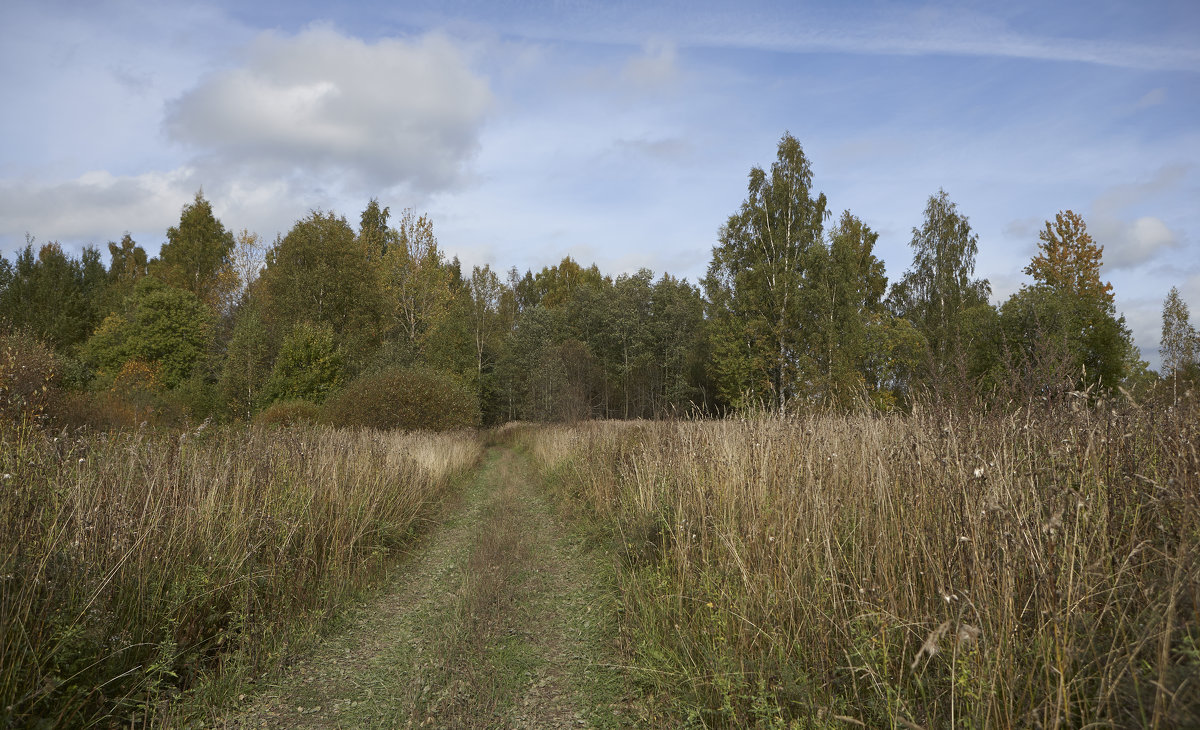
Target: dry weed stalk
[134, 565]
[1055, 552]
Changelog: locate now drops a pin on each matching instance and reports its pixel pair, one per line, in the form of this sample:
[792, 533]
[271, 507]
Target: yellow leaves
[1068, 258]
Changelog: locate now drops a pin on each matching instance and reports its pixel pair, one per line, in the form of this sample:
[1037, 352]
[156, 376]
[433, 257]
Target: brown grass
[137, 565]
[1024, 570]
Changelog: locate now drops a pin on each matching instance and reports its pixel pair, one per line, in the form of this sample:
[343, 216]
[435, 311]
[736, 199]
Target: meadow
[1036, 568]
[141, 570]
[1029, 568]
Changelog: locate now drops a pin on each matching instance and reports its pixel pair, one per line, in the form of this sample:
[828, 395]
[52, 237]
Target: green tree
[59, 299]
[754, 283]
[1179, 346]
[630, 323]
[127, 266]
[938, 290]
[554, 286]
[848, 285]
[415, 282]
[484, 290]
[247, 362]
[1062, 333]
[678, 340]
[1054, 341]
[196, 256]
[309, 366]
[164, 326]
[448, 343]
[319, 273]
[373, 231]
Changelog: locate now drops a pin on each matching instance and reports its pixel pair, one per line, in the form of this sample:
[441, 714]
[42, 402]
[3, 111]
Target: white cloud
[315, 120]
[95, 206]
[365, 116]
[1130, 243]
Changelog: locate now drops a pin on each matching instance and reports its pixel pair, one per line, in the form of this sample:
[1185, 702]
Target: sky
[619, 133]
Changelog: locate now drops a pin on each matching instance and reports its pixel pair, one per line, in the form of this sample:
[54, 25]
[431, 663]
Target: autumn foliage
[1068, 259]
[414, 399]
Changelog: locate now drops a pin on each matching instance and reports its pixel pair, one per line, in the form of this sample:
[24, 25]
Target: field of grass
[138, 566]
[1030, 569]
[1038, 569]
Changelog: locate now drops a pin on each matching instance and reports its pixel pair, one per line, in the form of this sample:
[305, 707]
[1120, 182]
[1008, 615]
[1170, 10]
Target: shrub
[27, 373]
[288, 413]
[308, 367]
[413, 399]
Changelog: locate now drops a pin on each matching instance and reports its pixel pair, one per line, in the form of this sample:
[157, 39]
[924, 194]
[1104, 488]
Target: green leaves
[1180, 345]
[755, 279]
[162, 325]
[938, 289]
[309, 365]
[319, 273]
[196, 256]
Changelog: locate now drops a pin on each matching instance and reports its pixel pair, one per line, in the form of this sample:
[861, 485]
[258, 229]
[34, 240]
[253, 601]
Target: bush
[413, 399]
[309, 365]
[288, 413]
[27, 377]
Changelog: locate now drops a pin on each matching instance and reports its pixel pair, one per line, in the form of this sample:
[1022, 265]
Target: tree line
[795, 311]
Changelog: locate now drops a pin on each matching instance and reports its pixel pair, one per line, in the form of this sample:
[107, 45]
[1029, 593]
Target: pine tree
[196, 256]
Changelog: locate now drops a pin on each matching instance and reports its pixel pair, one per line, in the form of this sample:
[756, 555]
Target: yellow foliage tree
[1068, 259]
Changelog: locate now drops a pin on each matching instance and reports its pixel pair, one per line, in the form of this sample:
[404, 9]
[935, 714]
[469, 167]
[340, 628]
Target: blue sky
[619, 133]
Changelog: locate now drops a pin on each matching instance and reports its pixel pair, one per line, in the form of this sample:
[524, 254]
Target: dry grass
[134, 566]
[1029, 570]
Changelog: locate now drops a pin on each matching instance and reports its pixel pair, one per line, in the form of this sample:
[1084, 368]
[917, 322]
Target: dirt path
[500, 619]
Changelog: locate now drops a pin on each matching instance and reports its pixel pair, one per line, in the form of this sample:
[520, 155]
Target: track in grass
[500, 618]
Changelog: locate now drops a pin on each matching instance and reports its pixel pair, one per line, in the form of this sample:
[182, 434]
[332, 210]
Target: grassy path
[499, 619]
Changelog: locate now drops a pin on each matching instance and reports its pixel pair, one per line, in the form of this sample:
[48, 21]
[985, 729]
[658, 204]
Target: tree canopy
[794, 312]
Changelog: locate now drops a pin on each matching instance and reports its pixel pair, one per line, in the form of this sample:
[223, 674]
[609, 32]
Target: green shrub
[309, 365]
[413, 399]
[288, 413]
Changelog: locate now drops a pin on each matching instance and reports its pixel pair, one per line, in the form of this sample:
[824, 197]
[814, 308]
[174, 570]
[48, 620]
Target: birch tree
[936, 292]
[1180, 346]
[754, 282]
[414, 280]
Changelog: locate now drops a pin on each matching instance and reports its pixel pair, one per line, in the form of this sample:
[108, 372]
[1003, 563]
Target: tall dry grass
[1039, 569]
[137, 565]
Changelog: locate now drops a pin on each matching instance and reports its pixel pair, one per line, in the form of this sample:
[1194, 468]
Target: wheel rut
[499, 618]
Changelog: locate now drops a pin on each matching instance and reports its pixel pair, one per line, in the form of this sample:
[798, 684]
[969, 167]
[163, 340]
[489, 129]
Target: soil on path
[500, 619]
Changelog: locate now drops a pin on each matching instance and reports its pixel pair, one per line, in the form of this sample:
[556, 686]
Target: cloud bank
[97, 205]
[297, 122]
[1130, 243]
[366, 116]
